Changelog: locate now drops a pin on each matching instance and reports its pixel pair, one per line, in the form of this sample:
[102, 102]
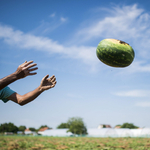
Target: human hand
[26, 69]
[47, 83]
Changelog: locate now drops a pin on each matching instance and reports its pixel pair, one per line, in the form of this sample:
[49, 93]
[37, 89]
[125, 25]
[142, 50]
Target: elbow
[19, 99]
[21, 102]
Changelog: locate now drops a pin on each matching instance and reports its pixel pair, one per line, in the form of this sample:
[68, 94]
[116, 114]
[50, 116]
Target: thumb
[45, 77]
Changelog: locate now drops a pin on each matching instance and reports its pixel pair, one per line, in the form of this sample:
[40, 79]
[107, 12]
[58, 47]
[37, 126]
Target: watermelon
[115, 53]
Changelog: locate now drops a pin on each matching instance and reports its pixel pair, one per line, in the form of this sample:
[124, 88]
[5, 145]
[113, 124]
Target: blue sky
[61, 37]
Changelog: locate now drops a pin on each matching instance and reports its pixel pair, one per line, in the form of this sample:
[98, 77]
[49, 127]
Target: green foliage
[32, 129]
[104, 126]
[76, 126]
[118, 125]
[63, 126]
[8, 127]
[43, 126]
[129, 125]
[21, 128]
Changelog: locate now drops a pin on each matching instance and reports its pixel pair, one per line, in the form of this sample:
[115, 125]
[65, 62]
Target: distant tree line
[10, 127]
[74, 125]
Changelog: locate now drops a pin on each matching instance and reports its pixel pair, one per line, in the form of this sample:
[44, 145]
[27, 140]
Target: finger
[54, 83]
[23, 63]
[51, 77]
[30, 66]
[49, 86]
[27, 63]
[45, 77]
[52, 80]
[33, 73]
[32, 69]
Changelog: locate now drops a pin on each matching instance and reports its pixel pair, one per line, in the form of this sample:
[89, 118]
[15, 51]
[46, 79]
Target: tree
[104, 126]
[21, 128]
[76, 126]
[118, 125]
[63, 126]
[129, 125]
[43, 126]
[8, 127]
[32, 129]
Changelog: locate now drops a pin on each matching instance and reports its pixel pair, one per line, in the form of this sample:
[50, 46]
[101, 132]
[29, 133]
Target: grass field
[72, 143]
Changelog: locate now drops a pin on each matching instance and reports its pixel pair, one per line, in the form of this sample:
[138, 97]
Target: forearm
[46, 84]
[26, 98]
[7, 80]
[22, 71]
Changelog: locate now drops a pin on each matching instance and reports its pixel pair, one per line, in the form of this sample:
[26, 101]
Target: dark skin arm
[46, 84]
[22, 71]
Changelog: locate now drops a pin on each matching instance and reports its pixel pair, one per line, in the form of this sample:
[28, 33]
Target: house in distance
[104, 126]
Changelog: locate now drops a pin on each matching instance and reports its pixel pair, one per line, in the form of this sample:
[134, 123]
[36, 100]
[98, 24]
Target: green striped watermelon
[115, 53]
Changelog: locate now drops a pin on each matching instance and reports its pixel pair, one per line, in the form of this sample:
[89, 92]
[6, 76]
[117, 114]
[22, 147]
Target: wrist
[40, 89]
[18, 74]
[14, 76]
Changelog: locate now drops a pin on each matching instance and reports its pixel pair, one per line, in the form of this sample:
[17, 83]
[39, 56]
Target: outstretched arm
[46, 84]
[22, 71]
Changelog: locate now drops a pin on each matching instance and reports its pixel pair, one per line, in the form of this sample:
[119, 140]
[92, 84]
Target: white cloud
[46, 27]
[128, 23]
[122, 22]
[63, 19]
[29, 41]
[137, 66]
[52, 15]
[143, 104]
[133, 93]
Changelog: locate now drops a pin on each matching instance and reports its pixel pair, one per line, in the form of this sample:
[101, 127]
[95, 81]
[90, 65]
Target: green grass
[72, 143]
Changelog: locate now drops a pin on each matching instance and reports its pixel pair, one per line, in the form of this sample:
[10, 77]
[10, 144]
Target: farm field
[72, 143]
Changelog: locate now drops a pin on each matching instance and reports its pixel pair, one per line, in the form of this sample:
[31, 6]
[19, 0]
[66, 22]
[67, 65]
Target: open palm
[48, 83]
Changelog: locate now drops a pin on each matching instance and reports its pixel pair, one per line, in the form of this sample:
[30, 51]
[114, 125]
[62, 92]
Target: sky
[61, 36]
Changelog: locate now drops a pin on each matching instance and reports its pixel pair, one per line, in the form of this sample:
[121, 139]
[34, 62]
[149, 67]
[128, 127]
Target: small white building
[8, 133]
[56, 132]
[42, 130]
[104, 126]
[28, 132]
